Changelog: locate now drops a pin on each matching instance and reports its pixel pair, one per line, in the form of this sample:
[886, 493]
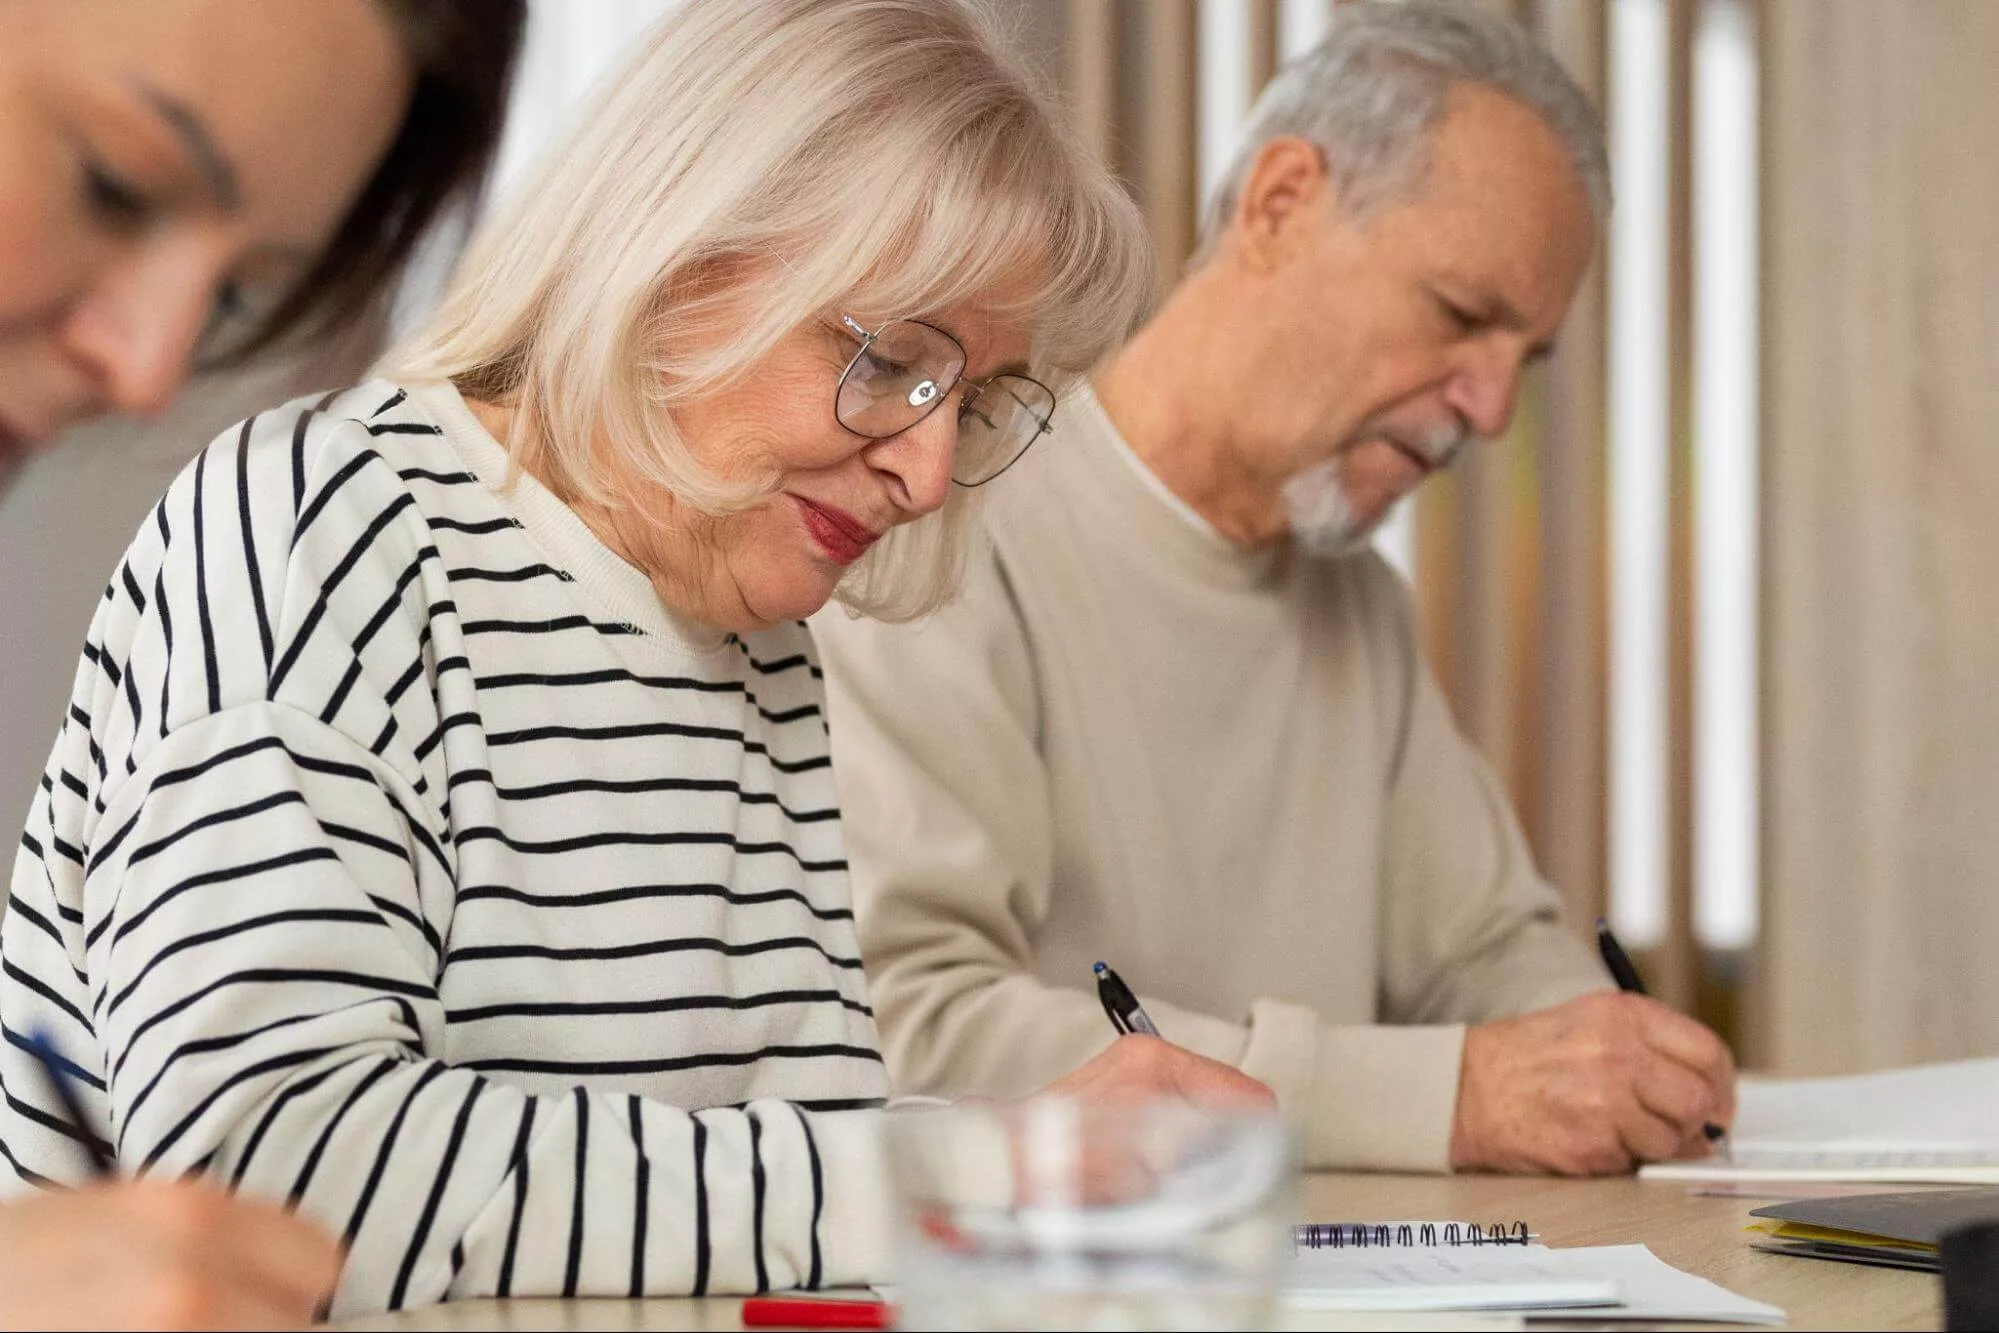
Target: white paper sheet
[1927, 1123]
[1526, 1278]
[1656, 1292]
[1512, 1277]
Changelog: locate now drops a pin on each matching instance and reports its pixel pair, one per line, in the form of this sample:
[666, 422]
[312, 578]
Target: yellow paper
[1837, 1236]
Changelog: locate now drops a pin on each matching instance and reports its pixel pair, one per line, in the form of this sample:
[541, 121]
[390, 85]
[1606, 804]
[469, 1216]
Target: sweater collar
[601, 575]
[1112, 477]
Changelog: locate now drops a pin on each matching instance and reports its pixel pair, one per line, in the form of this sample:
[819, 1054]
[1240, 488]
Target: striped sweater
[402, 856]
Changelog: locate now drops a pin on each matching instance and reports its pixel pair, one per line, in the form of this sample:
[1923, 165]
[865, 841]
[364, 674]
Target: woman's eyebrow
[218, 175]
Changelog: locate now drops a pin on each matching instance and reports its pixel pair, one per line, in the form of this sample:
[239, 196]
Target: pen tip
[1100, 969]
[1602, 926]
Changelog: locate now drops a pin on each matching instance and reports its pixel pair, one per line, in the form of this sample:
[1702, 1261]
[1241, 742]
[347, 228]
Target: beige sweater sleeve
[935, 735]
[1470, 929]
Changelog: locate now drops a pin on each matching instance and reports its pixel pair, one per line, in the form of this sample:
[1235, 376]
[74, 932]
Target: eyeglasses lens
[897, 379]
[997, 426]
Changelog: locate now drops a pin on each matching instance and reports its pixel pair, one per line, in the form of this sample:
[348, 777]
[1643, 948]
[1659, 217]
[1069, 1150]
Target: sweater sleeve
[1471, 931]
[266, 1002]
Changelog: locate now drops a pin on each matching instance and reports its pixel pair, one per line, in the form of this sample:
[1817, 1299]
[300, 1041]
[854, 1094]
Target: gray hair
[1371, 92]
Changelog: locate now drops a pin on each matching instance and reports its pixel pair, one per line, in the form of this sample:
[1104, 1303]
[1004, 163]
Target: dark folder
[1890, 1230]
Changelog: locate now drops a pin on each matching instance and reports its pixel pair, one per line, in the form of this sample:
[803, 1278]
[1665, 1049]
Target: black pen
[1127, 1014]
[1627, 978]
[57, 1070]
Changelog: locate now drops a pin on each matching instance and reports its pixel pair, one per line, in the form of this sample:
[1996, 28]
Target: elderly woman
[442, 835]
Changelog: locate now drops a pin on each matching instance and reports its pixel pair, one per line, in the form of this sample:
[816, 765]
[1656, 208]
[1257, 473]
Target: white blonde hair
[759, 164]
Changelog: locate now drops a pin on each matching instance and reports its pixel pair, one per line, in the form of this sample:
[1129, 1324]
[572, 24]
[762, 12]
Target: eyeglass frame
[853, 326]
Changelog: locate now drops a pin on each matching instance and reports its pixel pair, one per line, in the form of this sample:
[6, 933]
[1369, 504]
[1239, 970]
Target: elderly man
[1178, 718]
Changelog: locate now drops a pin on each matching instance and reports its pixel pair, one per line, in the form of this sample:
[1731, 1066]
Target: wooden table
[1701, 1235]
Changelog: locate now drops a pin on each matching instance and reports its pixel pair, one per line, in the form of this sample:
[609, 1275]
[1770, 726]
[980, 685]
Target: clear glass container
[1052, 1214]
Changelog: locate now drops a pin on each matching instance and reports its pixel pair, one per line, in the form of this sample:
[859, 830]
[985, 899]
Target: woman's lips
[842, 537]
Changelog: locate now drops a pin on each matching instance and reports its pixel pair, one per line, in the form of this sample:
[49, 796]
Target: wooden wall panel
[1163, 41]
[1089, 73]
[1881, 310]
[1566, 820]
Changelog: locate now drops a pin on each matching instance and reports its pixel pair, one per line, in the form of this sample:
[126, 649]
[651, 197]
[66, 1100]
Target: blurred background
[1713, 608]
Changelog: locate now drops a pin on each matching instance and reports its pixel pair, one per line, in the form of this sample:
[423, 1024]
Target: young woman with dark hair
[184, 180]
[203, 178]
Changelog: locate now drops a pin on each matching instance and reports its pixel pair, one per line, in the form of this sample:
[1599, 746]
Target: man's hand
[1592, 1087]
[1139, 1068]
[156, 1254]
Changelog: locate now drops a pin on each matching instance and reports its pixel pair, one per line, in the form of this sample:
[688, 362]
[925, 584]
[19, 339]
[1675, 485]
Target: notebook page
[1406, 1321]
[1518, 1277]
[1530, 1278]
[1943, 1106]
[1923, 1123]
[1656, 1292]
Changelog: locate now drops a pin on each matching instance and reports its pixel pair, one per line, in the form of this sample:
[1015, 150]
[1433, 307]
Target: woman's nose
[918, 460]
[134, 331]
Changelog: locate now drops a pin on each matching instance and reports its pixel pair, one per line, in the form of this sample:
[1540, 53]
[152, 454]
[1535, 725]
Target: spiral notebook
[1460, 1266]
[1396, 1235]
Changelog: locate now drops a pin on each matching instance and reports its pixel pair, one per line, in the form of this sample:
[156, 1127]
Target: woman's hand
[1139, 1068]
[159, 1254]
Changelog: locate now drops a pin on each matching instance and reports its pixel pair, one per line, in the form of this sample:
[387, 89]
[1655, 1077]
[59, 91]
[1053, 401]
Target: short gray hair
[1371, 92]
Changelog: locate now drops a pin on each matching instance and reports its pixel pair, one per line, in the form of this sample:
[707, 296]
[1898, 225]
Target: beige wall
[1882, 538]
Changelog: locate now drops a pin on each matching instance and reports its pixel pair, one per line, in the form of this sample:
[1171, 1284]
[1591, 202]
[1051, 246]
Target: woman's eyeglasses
[905, 368]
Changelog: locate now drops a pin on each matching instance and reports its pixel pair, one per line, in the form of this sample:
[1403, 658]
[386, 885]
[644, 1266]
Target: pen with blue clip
[1627, 978]
[58, 1071]
[1127, 1014]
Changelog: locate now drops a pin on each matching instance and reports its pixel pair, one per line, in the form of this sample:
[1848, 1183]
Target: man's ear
[1286, 186]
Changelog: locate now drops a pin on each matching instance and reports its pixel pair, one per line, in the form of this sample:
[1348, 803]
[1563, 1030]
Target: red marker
[813, 1312]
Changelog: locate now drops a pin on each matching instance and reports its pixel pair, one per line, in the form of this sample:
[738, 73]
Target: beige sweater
[1230, 775]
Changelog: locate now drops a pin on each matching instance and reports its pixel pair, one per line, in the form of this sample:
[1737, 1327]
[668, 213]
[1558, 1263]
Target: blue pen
[1127, 1014]
[57, 1069]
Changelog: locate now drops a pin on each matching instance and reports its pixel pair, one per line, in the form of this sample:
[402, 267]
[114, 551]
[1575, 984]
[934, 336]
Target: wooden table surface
[1699, 1234]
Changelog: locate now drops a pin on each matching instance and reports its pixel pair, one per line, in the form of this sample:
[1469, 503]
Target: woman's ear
[1286, 188]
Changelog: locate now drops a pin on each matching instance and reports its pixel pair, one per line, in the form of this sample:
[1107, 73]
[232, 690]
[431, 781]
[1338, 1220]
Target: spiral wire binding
[1363, 1235]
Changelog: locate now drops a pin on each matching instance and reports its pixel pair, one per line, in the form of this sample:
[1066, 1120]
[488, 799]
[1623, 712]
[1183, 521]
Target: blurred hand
[1139, 1068]
[156, 1254]
[1592, 1087]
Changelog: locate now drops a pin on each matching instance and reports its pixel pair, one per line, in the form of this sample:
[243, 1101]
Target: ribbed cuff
[855, 1225]
[1384, 1098]
[1283, 1047]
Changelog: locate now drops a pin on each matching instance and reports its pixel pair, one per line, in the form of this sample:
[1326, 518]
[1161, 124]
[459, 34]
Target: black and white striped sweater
[403, 856]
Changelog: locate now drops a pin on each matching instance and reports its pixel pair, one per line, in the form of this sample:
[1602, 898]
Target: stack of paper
[1617, 1282]
[1927, 1124]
